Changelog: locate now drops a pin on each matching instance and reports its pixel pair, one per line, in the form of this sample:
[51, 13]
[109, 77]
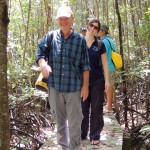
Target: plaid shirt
[68, 58]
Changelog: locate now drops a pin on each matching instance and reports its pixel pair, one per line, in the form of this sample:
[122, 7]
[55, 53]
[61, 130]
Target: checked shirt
[68, 58]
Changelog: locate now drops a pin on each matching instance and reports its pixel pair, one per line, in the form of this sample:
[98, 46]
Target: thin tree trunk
[125, 102]
[126, 33]
[107, 12]
[87, 12]
[4, 107]
[147, 21]
[27, 31]
[140, 9]
[26, 27]
[48, 15]
[97, 8]
[136, 38]
[84, 16]
[103, 5]
[114, 22]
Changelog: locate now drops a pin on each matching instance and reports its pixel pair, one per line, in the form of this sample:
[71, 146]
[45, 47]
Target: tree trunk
[136, 37]
[103, 5]
[4, 109]
[114, 22]
[107, 12]
[140, 9]
[87, 12]
[97, 8]
[125, 102]
[26, 27]
[126, 34]
[48, 12]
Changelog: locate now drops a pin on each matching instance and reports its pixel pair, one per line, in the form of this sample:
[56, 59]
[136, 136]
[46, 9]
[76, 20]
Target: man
[109, 44]
[67, 72]
[83, 31]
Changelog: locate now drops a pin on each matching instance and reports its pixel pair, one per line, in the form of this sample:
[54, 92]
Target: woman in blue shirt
[98, 83]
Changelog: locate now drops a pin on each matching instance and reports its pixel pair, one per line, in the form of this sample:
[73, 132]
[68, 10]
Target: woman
[97, 85]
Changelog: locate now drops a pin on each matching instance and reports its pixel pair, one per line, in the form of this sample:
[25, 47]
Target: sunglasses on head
[93, 26]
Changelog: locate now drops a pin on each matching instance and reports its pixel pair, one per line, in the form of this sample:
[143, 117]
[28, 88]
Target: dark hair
[97, 21]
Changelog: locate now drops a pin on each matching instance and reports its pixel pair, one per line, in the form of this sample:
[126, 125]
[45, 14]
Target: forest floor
[32, 127]
[111, 137]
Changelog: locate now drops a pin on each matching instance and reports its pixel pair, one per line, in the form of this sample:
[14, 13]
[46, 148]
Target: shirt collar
[105, 37]
[60, 33]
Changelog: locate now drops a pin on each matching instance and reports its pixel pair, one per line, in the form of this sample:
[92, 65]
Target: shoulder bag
[116, 58]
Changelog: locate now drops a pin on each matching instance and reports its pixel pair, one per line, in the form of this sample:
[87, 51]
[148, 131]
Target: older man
[67, 72]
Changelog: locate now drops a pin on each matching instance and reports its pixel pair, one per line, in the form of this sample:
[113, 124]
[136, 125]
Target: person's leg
[74, 114]
[110, 93]
[85, 121]
[97, 100]
[109, 96]
[58, 109]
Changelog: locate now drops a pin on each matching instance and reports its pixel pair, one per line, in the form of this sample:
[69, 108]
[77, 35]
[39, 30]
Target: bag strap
[50, 40]
[110, 45]
[112, 50]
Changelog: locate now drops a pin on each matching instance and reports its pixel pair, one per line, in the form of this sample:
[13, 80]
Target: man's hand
[45, 68]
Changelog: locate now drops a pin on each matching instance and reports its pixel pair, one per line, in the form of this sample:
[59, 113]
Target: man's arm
[43, 55]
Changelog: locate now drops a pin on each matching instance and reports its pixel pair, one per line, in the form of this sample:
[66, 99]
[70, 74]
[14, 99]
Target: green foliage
[21, 78]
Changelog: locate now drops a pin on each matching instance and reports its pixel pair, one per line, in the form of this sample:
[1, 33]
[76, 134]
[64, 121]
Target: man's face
[101, 33]
[83, 32]
[65, 23]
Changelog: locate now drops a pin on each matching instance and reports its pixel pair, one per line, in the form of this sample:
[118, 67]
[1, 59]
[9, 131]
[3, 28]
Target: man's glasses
[93, 26]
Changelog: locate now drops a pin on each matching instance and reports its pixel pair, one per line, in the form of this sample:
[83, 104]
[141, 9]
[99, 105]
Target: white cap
[64, 11]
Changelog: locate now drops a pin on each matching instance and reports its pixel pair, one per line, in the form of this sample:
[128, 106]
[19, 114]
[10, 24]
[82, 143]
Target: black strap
[50, 40]
[110, 45]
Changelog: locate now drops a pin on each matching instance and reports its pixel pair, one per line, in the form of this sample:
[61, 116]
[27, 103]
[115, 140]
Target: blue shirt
[109, 52]
[68, 58]
[95, 53]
